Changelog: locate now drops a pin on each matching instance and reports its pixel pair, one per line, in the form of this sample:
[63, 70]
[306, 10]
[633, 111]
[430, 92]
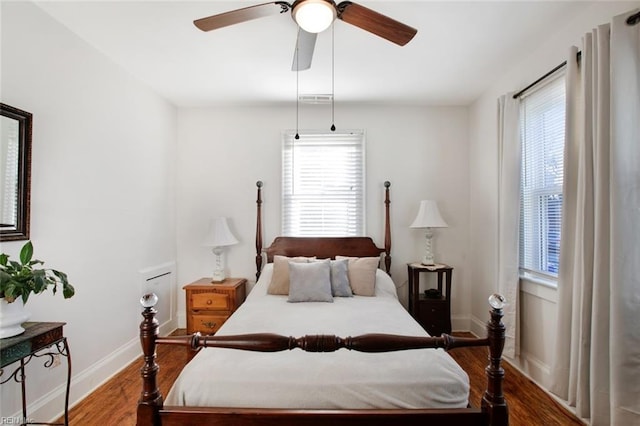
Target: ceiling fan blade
[239, 15]
[376, 23]
[303, 54]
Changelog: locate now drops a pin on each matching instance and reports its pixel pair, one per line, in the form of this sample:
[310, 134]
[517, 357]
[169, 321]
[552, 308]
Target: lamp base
[218, 276]
[218, 271]
[427, 259]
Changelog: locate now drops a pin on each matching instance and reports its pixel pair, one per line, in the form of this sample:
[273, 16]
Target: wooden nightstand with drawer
[209, 304]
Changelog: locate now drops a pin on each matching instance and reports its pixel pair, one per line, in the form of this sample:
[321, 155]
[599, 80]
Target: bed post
[387, 229]
[150, 400]
[259, 230]
[493, 401]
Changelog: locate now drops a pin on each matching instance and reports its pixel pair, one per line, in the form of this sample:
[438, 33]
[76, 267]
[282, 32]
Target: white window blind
[542, 127]
[323, 184]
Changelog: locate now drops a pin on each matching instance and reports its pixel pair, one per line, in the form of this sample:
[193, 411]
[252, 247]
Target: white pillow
[310, 282]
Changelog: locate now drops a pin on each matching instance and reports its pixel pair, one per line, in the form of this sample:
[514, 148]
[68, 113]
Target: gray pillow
[340, 278]
[310, 282]
[280, 278]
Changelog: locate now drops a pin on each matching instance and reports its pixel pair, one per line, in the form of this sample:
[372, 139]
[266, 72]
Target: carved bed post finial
[150, 400]
[493, 401]
[387, 229]
[259, 230]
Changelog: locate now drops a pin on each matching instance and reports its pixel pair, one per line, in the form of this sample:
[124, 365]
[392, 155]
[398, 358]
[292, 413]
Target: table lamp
[428, 218]
[219, 236]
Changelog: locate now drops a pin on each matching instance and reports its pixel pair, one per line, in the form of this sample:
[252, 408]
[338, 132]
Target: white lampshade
[429, 216]
[219, 234]
[314, 16]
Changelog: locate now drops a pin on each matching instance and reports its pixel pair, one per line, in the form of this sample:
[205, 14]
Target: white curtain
[597, 360]
[510, 159]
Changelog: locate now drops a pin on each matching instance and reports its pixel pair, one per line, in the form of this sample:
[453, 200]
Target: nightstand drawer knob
[209, 301]
[209, 324]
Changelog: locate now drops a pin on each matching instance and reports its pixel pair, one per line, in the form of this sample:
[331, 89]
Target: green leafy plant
[21, 279]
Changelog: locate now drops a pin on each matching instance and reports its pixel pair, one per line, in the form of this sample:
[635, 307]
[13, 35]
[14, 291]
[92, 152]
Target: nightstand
[432, 311]
[209, 304]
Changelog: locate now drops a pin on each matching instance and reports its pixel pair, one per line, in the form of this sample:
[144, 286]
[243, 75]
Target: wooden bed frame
[151, 412]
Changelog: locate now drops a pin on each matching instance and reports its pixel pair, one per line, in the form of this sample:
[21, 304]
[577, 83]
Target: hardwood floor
[528, 403]
[114, 403]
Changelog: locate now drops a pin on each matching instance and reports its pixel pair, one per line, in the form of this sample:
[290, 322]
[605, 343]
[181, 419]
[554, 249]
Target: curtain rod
[520, 93]
[631, 20]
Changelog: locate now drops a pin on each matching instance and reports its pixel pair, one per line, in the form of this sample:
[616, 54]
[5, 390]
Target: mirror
[15, 173]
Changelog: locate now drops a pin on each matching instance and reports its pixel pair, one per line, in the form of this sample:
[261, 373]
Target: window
[542, 127]
[323, 185]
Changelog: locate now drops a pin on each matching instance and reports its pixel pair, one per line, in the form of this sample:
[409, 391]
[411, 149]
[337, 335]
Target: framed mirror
[15, 173]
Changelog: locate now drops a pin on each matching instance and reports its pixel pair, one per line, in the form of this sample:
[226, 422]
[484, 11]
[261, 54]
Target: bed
[390, 372]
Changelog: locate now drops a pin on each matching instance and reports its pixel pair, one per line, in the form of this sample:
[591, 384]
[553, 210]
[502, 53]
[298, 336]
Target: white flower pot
[12, 315]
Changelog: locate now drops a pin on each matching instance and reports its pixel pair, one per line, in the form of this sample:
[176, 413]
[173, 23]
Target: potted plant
[18, 280]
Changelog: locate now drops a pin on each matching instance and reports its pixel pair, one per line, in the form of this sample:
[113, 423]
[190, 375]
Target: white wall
[423, 152]
[102, 196]
[538, 307]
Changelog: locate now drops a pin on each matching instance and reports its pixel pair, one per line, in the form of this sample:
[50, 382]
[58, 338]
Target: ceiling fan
[313, 17]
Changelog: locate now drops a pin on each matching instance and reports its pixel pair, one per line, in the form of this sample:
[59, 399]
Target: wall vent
[160, 279]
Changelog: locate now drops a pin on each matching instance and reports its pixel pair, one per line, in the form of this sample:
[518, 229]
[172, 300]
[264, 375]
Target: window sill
[541, 288]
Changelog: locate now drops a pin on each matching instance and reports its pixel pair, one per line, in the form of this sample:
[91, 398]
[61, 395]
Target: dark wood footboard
[493, 410]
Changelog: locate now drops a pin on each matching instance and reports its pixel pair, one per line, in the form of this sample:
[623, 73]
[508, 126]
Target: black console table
[40, 339]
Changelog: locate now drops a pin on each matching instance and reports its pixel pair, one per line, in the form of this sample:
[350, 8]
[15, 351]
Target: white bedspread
[424, 378]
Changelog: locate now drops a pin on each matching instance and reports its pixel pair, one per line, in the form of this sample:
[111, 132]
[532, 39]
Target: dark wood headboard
[322, 247]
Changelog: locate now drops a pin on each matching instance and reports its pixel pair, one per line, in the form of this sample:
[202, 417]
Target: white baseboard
[51, 405]
[459, 323]
[534, 368]
[478, 327]
[182, 320]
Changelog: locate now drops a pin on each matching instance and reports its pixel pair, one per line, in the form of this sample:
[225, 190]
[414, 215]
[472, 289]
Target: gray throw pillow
[340, 278]
[310, 282]
[280, 279]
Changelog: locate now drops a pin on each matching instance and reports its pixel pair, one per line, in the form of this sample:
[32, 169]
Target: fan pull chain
[297, 136]
[333, 78]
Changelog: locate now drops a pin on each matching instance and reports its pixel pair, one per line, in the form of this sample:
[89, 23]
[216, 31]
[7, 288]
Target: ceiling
[459, 50]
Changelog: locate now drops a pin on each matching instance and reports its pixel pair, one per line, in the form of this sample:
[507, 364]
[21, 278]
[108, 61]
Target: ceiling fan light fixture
[314, 16]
